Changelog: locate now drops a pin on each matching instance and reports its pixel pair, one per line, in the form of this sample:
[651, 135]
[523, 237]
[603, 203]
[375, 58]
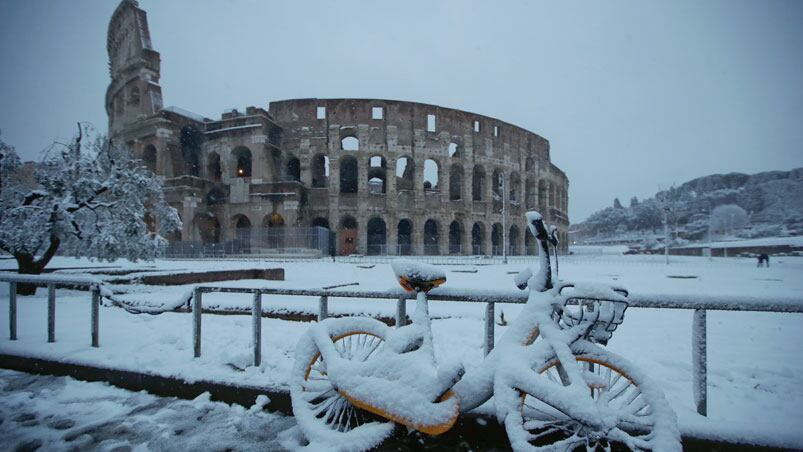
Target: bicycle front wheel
[643, 418]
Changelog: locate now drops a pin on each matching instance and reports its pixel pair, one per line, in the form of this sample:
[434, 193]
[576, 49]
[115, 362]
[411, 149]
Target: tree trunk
[28, 265]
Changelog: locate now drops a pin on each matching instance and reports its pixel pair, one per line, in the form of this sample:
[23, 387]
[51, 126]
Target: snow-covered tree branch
[87, 199]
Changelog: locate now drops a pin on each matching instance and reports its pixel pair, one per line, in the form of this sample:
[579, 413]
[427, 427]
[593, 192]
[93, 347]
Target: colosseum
[384, 176]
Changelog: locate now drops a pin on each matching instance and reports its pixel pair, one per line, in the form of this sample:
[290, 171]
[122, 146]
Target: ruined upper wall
[408, 123]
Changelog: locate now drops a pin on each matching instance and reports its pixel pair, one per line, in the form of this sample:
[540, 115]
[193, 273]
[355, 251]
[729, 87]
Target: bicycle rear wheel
[644, 420]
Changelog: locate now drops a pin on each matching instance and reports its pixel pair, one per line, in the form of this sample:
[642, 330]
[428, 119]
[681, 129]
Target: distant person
[763, 260]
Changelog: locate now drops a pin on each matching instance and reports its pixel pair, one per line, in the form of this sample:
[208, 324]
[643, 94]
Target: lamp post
[504, 219]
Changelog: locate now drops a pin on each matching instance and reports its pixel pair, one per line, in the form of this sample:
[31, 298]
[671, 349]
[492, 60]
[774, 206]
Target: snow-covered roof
[186, 113]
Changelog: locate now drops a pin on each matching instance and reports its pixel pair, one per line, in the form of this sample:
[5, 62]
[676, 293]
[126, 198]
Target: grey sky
[632, 95]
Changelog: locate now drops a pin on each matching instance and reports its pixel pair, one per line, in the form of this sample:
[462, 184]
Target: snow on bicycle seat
[417, 277]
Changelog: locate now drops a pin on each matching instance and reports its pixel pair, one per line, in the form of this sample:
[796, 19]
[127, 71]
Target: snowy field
[754, 359]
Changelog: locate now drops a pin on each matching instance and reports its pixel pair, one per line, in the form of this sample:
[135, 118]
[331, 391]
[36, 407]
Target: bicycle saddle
[417, 277]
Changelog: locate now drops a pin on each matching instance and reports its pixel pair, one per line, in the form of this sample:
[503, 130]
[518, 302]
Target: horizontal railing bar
[44, 280]
[718, 303]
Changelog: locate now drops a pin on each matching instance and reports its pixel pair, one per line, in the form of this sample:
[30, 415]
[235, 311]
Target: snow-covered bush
[89, 198]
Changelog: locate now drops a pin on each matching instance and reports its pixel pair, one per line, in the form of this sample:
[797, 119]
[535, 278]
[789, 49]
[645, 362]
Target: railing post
[196, 322]
[256, 327]
[323, 307]
[699, 365]
[12, 310]
[401, 311]
[489, 327]
[51, 312]
[95, 316]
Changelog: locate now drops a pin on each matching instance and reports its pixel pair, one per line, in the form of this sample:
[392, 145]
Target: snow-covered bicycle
[355, 378]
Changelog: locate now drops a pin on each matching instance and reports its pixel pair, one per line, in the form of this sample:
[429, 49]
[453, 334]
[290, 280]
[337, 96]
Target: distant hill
[773, 201]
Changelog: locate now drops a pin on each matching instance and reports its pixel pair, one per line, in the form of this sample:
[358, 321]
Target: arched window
[496, 239]
[431, 175]
[377, 236]
[478, 239]
[454, 150]
[242, 161]
[405, 173]
[513, 241]
[455, 237]
[320, 171]
[347, 236]
[350, 143]
[242, 226]
[293, 169]
[478, 183]
[149, 157]
[405, 238]
[320, 222]
[213, 171]
[456, 182]
[431, 238]
[377, 175]
[348, 175]
[514, 187]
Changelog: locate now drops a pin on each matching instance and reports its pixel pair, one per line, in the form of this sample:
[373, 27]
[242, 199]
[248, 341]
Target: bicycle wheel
[643, 418]
[323, 415]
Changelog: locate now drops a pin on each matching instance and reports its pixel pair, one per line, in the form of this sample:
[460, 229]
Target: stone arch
[293, 168]
[530, 193]
[456, 182]
[431, 238]
[320, 222]
[431, 175]
[149, 157]
[529, 164]
[455, 237]
[273, 231]
[320, 171]
[213, 169]
[454, 150]
[207, 227]
[478, 183]
[405, 173]
[377, 175]
[496, 239]
[404, 237]
[377, 236]
[478, 238]
[348, 175]
[349, 143]
[347, 235]
[497, 180]
[542, 197]
[513, 187]
[241, 161]
[513, 241]
[242, 232]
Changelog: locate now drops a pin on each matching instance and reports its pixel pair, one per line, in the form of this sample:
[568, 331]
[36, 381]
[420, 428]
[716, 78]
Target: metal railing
[700, 304]
[51, 282]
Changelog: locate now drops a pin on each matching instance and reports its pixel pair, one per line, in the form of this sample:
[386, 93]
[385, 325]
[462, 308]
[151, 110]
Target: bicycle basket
[601, 314]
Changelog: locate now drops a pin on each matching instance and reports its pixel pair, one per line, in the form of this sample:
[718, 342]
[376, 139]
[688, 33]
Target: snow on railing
[699, 303]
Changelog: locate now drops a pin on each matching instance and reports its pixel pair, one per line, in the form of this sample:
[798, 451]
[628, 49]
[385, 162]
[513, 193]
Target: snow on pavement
[60, 413]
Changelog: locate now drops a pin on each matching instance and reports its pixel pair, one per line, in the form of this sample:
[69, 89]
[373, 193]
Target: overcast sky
[632, 95]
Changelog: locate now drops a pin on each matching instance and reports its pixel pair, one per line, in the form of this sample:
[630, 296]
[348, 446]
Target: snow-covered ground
[60, 413]
[754, 359]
